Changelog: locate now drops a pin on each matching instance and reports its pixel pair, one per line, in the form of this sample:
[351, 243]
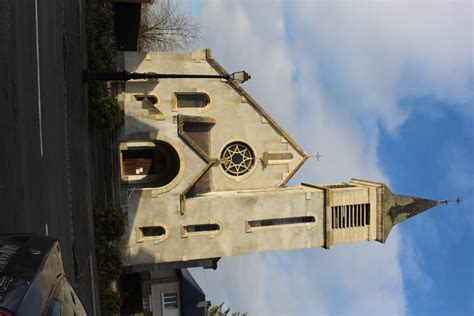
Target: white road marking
[38, 79]
[94, 303]
[46, 229]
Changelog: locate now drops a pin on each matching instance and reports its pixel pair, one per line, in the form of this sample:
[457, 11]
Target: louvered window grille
[347, 216]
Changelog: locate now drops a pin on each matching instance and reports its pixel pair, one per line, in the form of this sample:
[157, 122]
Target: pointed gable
[301, 155]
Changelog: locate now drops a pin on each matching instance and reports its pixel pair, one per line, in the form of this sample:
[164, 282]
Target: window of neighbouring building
[169, 300]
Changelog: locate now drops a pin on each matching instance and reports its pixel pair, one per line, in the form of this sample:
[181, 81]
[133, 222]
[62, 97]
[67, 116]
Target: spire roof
[396, 208]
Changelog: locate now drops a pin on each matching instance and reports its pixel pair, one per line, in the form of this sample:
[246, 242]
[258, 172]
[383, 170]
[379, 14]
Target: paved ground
[45, 168]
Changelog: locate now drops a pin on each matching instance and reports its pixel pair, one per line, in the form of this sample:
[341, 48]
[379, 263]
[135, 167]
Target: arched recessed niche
[151, 164]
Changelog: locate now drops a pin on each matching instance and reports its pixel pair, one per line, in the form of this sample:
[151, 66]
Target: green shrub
[104, 111]
[108, 261]
[101, 47]
[110, 302]
[109, 225]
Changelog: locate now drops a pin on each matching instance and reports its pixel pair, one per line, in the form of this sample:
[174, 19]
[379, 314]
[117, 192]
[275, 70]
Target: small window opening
[192, 100]
[367, 216]
[281, 221]
[148, 98]
[202, 228]
[273, 158]
[153, 231]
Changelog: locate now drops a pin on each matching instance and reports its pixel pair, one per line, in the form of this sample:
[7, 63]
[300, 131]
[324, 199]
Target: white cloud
[243, 37]
[359, 279]
[333, 73]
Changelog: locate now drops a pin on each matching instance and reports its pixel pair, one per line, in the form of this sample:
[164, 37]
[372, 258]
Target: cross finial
[318, 155]
[446, 202]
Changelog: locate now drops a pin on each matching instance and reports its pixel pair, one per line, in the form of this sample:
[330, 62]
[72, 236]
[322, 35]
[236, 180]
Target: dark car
[32, 278]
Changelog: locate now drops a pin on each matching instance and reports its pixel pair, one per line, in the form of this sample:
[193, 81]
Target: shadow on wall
[151, 164]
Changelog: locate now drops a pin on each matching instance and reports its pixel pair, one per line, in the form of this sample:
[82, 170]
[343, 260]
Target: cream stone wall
[231, 210]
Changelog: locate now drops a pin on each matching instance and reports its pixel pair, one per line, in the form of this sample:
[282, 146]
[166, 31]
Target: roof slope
[191, 295]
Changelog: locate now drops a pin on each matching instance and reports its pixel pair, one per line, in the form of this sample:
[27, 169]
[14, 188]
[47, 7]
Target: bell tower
[364, 210]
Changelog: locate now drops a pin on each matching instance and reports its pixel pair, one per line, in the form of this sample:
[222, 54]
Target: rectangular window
[169, 300]
[281, 221]
[346, 216]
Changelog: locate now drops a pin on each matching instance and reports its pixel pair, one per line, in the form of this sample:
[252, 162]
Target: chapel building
[204, 168]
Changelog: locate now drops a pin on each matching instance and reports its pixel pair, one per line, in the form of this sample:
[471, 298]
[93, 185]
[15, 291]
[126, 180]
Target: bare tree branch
[164, 27]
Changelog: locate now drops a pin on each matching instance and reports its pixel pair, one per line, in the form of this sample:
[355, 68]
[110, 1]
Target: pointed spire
[397, 208]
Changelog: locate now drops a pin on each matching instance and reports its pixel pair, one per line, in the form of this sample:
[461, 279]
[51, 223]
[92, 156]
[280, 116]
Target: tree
[216, 310]
[165, 27]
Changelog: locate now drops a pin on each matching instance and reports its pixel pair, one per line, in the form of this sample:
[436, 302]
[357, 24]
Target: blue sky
[385, 91]
[442, 243]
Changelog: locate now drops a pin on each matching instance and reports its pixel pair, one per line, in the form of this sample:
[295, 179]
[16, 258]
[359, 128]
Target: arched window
[157, 233]
[192, 100]
[153, 231]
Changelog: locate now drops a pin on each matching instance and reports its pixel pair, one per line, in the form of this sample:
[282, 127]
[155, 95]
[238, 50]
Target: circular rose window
[238, 158]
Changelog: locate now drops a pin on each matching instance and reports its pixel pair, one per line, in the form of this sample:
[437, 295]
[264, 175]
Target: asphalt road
[45, 168]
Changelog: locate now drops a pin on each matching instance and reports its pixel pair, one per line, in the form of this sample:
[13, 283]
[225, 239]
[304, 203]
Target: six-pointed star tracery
[238, 158]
